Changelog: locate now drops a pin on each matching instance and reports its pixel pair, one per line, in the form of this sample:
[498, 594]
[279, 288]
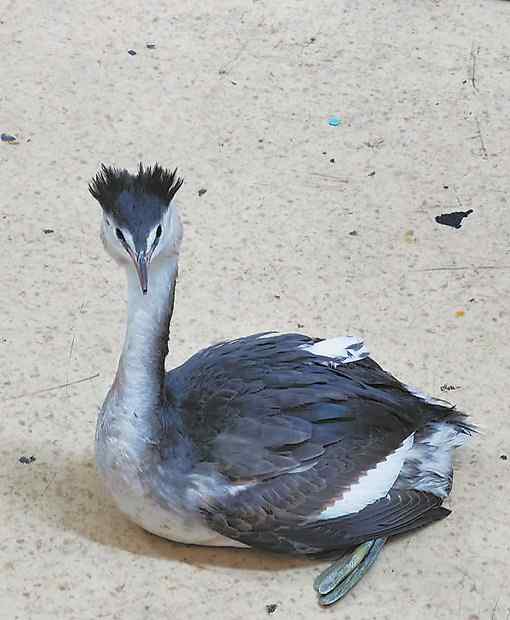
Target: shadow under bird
[281, 442]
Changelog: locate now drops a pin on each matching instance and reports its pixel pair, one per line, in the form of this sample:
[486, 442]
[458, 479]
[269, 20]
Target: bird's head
[140, 226]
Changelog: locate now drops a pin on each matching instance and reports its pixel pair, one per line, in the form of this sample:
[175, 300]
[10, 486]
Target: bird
[275, 441]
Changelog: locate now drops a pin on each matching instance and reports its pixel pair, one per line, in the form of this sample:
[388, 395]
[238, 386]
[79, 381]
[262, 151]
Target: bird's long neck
[140, 375]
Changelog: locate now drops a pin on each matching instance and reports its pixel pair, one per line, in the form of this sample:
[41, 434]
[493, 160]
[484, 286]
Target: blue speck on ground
[334, 121]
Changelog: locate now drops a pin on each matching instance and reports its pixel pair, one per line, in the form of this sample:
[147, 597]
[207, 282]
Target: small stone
[371, 174]
[270, 609]
[504, 457]
[354, 233]
[202, 191]
[48, 231]
[332, 160]
[26, 460]
[132, 52]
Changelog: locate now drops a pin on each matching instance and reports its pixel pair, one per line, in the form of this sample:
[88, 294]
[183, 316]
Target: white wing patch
[343, 349]
[374, 485]
[428, 399]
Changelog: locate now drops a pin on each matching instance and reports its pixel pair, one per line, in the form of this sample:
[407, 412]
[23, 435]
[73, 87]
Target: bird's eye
[158, 232]
[119, 234]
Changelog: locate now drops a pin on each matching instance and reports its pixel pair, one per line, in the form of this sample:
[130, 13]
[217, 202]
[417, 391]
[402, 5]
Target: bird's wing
[301, 431]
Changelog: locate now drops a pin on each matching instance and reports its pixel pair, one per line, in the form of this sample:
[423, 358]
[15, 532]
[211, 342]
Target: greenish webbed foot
[339, 578]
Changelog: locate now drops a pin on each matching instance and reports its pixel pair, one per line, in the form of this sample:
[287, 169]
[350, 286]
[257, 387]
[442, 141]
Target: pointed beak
[141, 265]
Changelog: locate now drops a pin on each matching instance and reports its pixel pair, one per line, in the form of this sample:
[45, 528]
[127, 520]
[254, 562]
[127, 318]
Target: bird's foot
[339, 578]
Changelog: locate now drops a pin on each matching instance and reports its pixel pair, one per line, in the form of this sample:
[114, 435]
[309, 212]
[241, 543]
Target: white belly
[168, 524]
[119, 470]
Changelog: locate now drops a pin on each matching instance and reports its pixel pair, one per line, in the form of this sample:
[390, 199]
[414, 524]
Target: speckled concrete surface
[238, 95]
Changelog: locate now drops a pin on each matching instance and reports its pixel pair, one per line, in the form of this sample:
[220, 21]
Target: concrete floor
[238, 95]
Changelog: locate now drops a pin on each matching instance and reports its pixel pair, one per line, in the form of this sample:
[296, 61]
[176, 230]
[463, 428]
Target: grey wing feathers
[399, 512]
[305, 430]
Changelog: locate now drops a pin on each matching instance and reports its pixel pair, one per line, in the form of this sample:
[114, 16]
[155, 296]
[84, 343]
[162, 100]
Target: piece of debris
[504, 457]
[26, 460]
[132, 52]
[271, 608]
[150, 46]
[202, 191]
[374, 143]
[371, 174]
[332, 160]
[277, 297]
[334, 121]
[409, 236]
[459, 313]
[48, 231]
[445, 186]
[449, 388]
[453, 219]
[7, 137]
[300, 325]
[354, 233]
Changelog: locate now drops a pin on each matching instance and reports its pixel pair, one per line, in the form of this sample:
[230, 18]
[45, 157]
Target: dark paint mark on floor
[26, 460]
[449, 388]
[453, 219]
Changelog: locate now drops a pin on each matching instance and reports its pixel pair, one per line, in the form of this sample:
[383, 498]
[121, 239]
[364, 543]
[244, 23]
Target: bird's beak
[141, 265]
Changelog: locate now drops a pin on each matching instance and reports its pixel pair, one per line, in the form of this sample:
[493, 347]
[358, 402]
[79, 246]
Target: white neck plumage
[141, 370]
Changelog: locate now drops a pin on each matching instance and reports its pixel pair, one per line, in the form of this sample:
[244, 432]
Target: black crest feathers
[154, 180]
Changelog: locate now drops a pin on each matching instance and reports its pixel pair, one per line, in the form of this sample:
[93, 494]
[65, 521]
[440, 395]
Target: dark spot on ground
[453, 219]
[504, 457]
[271, 608]
[354, 233]
[371, 174]
[277, 296]
[449, 388]
[300, 325]
[150, 46]
[26, 460]
[202, 191]
[132, 52]
[48, 231]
